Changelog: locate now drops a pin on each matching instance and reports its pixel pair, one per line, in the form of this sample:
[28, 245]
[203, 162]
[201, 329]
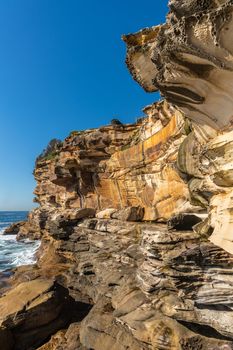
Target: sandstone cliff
[189, 59]
[135, 220]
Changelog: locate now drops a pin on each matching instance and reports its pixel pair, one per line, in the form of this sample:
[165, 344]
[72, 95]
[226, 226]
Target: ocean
[12, 252]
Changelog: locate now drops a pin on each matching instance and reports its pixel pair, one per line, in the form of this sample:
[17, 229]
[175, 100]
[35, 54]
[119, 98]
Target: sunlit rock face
[152, 286]
[120, 166]
[189, 59]
[136, 220]
[134, 282]
[206, 157]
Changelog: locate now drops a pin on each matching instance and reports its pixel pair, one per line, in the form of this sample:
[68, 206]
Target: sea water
[12, 252]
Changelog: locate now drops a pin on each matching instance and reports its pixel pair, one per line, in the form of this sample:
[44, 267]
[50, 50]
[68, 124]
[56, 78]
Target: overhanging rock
[189, 59]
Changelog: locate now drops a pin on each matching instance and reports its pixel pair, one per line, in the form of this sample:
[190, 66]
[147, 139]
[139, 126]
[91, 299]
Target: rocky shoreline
[135, 220]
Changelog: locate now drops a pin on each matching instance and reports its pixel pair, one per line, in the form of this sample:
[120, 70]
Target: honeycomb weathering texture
[189, 59]
[136, 220]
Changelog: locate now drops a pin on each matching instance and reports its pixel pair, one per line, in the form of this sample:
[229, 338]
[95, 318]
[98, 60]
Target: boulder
[33, 310]
[82, 213]
[129, 214]
[106, 213]
[14, 228]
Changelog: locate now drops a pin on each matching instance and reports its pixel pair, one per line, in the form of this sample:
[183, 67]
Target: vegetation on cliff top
[50, 151]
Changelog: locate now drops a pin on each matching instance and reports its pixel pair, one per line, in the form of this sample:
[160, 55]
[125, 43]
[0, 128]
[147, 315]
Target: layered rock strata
[118, 167]
[150, 287]
[33, 310]
[145, 285]
[135, 220]
[189, 59]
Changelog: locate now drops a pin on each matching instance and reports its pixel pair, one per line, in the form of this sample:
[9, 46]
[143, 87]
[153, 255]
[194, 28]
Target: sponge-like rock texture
[189, 59]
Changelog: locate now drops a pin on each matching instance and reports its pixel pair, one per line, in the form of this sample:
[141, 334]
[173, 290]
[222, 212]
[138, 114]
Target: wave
[15, 253]
[26, 256]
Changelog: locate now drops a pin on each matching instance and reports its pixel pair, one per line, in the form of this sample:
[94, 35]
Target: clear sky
[61, 69]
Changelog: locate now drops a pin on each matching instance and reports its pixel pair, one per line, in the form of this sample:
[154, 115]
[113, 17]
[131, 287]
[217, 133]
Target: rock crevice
[135, 220]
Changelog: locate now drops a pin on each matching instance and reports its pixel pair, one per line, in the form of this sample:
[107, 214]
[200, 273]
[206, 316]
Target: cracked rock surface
[135, 220]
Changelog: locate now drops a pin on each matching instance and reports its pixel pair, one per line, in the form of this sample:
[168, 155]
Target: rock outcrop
[31, 311]
[151, 288]
[189, 59]
[115, 167]
[135, 220]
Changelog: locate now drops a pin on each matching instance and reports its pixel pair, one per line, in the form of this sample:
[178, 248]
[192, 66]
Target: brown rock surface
[118, 168]
[151, 288]
[189, 59]
[106, 213]
[14, 228]
[153, 269]
[66, 339]
[129, 214]
[32, 310]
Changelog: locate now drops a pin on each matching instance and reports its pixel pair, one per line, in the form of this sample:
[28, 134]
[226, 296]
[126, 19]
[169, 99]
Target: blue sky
[62, 68]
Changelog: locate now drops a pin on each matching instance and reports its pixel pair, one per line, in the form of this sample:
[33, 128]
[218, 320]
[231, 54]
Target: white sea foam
[14, 253]
[6, 237]
[26, 256]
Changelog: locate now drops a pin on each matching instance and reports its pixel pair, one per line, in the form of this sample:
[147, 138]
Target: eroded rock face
[206, 157]
[31, 311]
[152, 287]
[189, 59]
[119, 167]
[35, 309]
[135, 220]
